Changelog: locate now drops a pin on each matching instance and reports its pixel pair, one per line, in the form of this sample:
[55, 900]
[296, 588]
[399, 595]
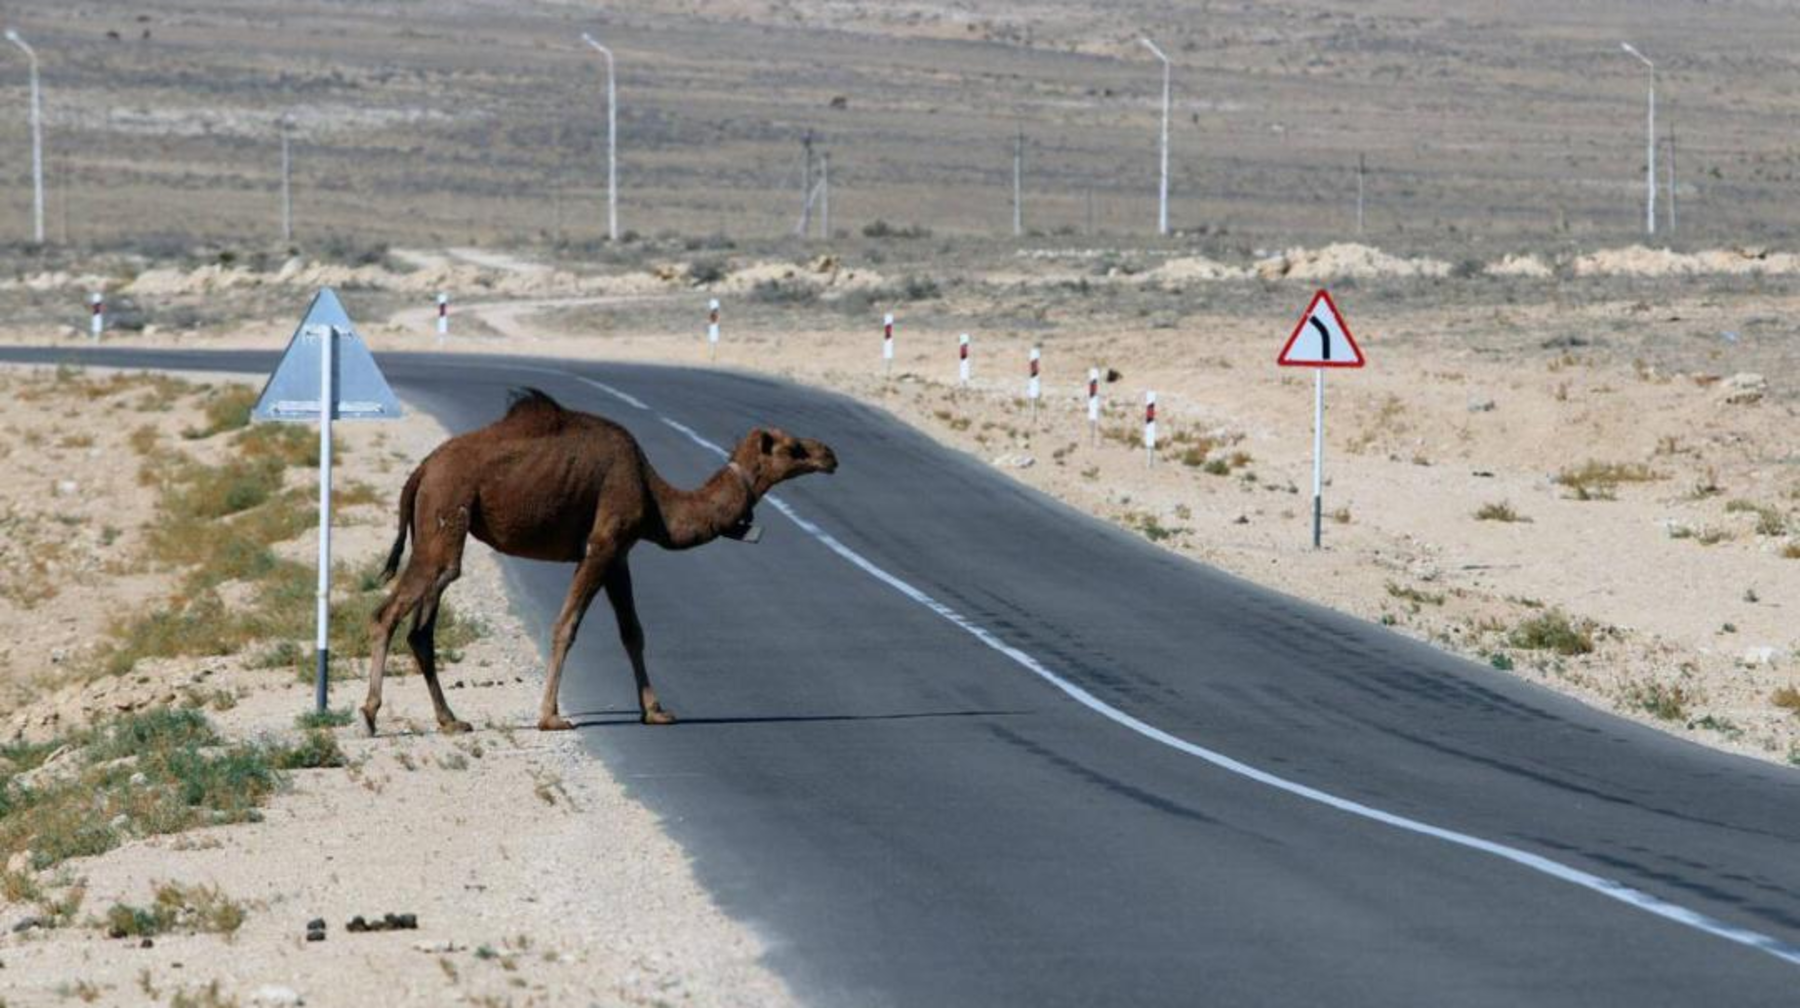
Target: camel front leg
[631, 633]
[590, 574]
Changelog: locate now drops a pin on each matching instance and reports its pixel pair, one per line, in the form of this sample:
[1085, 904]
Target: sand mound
[1638, 260]
[1192, 268]
[1345, 259]
[824, 273]
[1518, 266]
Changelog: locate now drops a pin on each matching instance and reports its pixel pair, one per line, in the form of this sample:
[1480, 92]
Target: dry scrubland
[464, 121]
[169, 826]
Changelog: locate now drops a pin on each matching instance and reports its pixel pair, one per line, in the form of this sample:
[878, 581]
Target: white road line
[1609, 888]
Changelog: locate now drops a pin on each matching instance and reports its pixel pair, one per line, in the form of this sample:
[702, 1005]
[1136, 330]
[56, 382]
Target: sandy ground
[535, 880]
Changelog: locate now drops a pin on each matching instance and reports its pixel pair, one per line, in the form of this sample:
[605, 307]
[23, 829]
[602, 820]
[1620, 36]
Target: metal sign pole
[1318, 449]
[322, 641]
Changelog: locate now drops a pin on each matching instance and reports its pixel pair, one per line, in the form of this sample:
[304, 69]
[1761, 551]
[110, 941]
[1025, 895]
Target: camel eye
[797, 450]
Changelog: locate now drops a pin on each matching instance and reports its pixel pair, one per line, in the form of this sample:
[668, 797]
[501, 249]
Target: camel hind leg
[423, 640]
[435, 562]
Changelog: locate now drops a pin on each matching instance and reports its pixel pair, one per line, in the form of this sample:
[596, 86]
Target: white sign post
[962, 359]
[97, 318]
[1032, 389]
[1094, 404]
[712, 328]
[1321, 340]
[887, 344]
[326, 373]
[1150, 429]
[443, 323]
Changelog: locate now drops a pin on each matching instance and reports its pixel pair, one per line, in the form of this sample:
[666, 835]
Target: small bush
[1595, 480]
[1414, 595]
[784, 291]
[331, 718]
[707, 271]
[1501, 661]
[318, 750]
[1551, 631]
[1501, 511]
[1665, 703]
[198, 909]
[879, 228]
[1787, 698]
[227, 409]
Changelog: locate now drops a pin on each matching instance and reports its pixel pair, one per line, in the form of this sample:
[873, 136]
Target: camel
[550, 483]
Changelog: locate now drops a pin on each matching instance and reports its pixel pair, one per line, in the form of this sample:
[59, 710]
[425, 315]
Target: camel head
[770, 456]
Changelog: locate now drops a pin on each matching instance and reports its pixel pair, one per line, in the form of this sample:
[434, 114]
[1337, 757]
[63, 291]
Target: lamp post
[1650, 145]
[1162, 212]
[612, 141]
[37, 139]
[286, 124]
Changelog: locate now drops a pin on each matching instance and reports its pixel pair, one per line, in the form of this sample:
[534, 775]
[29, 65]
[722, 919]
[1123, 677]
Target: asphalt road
[912, 816]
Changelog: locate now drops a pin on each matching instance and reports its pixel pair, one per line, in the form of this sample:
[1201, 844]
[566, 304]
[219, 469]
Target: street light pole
[287, 185]
[1650, 145]
[612, 141]
[1162, 212]
[37, 139]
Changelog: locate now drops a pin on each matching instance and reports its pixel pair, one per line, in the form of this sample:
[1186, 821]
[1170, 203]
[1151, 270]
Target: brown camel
[550, 483]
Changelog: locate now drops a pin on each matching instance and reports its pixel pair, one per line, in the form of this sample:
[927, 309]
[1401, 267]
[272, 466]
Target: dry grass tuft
[1501, 511]
[1595, 480]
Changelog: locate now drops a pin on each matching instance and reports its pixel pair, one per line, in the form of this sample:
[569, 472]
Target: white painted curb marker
[962, 359]
[1032, 388]
[1094, 404]
[1150, 428]
[712, 328]
[443, 321]
[887, 344]
[97, 318]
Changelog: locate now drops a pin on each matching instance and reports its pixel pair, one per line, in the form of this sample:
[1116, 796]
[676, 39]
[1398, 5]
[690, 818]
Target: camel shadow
[613, 718]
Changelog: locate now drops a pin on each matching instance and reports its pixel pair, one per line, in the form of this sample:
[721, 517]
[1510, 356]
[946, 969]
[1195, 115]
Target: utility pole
[825, 195]
[287, 179]
[1019, 185]
[1362, 168]
[37, 139]
[1671, 178]
[1162, 208]
[1649, 145]
[612, 141]
[806, 185]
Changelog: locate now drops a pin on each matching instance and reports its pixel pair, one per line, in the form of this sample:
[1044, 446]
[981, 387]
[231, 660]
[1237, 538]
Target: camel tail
[406, 517]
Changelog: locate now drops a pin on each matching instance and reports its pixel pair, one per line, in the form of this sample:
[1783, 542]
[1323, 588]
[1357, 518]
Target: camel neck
[693, 517]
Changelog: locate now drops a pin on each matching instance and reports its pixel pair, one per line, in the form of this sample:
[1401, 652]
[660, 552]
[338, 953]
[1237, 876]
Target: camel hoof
[369, 720]
[455, 727]
[657, 715]
[555, 722]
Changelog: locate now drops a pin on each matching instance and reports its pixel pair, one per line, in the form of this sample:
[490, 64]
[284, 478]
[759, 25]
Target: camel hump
[533, 409]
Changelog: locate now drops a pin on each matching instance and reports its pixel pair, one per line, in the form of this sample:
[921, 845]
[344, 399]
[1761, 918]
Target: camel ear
[765, 441]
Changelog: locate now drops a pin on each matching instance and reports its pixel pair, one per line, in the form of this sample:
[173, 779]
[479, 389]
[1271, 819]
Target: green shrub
[1551, 631]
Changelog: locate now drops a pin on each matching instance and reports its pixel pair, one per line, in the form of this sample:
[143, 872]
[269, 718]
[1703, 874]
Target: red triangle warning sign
[1321, 339]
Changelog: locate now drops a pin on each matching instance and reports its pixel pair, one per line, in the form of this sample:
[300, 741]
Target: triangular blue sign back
[359, 391]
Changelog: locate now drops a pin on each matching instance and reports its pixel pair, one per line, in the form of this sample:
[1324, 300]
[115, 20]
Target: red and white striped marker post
[1094, 404]
[1032, 388]
[97, 318]
[712, 328]
[962, 359]
[1150, 428]
[443, 323]
[887, 344]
